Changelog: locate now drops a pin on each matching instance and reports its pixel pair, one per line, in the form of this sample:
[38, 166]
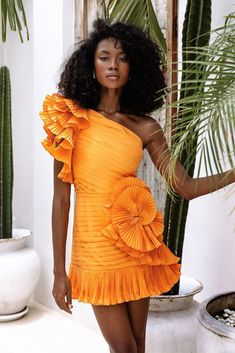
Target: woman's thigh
[114, 323]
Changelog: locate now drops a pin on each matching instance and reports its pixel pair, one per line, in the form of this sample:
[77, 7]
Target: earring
[129, 78]
[94, 76]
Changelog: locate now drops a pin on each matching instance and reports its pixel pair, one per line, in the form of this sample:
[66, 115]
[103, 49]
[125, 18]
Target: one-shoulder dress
[117, 252]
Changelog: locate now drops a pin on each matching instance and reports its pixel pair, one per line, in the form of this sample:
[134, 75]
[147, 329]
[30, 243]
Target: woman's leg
[114, 323]
[138, 313]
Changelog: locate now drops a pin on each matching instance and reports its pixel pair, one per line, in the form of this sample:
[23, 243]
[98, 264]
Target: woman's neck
[109, 100]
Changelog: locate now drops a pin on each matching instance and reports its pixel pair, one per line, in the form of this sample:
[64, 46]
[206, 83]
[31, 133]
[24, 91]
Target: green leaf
[11, 13]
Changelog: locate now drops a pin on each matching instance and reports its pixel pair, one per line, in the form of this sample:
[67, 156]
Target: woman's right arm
[60, 216]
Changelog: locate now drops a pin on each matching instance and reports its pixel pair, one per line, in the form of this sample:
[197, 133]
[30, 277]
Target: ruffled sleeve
[63, 119]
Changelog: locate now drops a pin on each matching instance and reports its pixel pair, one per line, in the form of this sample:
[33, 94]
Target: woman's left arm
[187, 187]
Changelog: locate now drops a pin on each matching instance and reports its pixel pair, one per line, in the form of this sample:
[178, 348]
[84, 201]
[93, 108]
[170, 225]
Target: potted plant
[20, 265]
[216, 333]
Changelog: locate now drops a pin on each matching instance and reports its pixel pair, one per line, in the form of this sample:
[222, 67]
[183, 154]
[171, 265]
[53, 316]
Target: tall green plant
[10, 12]
[196, 28]
[6, 157]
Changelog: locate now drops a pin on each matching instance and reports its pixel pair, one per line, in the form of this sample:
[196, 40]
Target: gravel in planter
[227, 316]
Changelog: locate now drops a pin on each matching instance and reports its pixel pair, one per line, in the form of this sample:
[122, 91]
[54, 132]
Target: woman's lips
[113, 77]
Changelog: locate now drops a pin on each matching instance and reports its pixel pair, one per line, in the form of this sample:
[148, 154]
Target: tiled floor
[43, 330]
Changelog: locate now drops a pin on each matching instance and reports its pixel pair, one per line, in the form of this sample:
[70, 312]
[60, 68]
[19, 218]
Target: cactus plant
[197, 24]
[6, 156]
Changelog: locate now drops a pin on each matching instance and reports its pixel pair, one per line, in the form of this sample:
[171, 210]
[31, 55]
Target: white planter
[172, 322]
[19, 274]
[214, 336]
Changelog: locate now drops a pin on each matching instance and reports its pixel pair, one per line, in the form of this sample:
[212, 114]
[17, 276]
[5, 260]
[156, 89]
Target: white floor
[43, 330]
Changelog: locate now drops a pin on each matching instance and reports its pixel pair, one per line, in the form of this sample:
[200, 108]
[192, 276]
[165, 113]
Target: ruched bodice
[99, 153]
[117, 252]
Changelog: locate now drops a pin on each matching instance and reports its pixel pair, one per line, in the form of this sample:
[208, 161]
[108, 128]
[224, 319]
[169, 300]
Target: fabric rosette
[135, 226]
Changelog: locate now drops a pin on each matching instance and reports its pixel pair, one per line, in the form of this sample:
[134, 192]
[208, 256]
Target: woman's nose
[113, 64]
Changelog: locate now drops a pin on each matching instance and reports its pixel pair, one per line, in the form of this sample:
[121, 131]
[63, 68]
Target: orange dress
[118, 252]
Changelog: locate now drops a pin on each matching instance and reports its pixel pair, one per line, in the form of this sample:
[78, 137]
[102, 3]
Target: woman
[98, 126]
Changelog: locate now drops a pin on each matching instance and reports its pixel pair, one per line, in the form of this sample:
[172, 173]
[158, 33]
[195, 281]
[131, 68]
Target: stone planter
[19, 274]
[172, 322]
[214, 336]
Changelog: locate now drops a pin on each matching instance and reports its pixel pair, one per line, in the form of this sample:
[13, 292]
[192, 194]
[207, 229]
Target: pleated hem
[121, 285]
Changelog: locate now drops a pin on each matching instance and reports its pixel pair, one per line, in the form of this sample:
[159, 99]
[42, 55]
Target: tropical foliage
[209, 114]
[11, 10]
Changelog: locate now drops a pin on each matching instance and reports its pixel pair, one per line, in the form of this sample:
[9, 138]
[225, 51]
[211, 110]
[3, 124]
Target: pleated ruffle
[63, 119]
[118, 286]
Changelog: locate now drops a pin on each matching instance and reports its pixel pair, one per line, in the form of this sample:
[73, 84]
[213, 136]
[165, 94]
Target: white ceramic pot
[172, 322]
[214, 336]
[19, 274]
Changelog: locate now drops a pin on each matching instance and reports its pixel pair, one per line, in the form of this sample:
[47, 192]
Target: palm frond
[209, 113]
[11, 11]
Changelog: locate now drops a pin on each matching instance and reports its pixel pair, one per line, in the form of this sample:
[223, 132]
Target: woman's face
[111, 64]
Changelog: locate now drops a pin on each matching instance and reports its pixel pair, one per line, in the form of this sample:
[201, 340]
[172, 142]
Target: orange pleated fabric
[118, 252]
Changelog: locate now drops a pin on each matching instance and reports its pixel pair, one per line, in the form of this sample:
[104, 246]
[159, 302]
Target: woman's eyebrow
[107, 52]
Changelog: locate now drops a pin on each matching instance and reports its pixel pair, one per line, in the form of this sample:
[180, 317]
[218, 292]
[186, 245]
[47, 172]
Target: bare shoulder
[147, 128]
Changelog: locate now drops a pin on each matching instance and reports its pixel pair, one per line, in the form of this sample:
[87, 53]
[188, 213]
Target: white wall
[210, 232]
[53, 37]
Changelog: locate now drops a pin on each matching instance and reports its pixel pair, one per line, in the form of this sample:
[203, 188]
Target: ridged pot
[214, 336]
[20, 270]
[172, 321]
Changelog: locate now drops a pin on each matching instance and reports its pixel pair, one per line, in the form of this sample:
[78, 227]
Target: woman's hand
[62, 292]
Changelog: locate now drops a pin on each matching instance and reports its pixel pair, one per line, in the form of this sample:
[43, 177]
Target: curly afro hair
[140, 95]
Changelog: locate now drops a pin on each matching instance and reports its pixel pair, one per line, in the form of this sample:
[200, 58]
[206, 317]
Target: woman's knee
[140, 336]
[140, 343]
[123, 346]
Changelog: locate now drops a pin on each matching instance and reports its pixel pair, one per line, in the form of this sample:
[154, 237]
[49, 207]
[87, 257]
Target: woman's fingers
[62, 294]
[69, 300]
[69, 295]
[63, 305]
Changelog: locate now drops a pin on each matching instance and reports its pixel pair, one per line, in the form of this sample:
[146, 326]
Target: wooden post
[172, 57]
[85, 13]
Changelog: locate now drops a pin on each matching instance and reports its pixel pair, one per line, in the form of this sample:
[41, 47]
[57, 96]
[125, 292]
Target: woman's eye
[124, 58]
[104, 58]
